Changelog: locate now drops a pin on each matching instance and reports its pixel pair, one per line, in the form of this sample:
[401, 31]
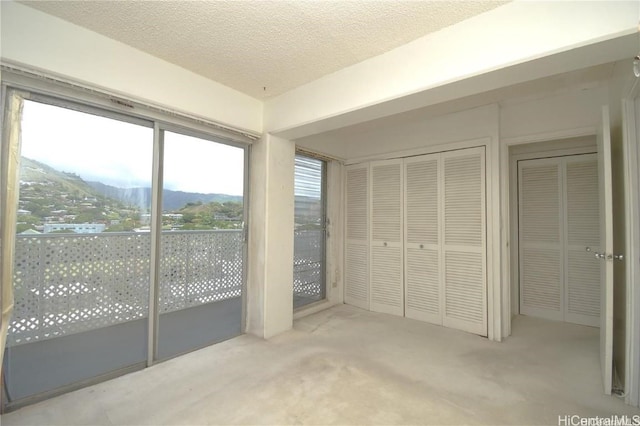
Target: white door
[387, 295]
[582, 225]
[540, 238]
[464, 241]
[558, 206]
[356, 290]
[422, 255]
[605, 252]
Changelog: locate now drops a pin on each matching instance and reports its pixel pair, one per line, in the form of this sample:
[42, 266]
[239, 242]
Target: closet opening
[558, 195]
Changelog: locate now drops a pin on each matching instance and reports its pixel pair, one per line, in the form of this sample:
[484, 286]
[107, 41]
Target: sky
[120, 154]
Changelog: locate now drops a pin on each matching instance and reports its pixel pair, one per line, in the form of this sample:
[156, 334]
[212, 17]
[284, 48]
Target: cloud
[121, 154]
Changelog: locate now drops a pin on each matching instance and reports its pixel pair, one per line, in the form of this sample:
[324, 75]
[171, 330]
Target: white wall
[553, 114]
[271, 223]
[402, 132]
[414, 134]
[499, 39]
[40, 41]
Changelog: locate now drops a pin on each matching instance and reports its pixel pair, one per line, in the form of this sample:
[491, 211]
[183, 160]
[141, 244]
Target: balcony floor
[348, 366]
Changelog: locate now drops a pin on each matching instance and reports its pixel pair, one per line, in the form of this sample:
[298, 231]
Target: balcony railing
[308, 264]
[71, 283]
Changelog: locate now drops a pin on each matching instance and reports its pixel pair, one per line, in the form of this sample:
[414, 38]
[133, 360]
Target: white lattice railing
[65, 284]
[70, 283]
[308, 264]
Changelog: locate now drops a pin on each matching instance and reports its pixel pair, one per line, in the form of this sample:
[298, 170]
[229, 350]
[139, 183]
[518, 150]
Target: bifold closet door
[559, 218]
[582, 290]
[386, 237]
[422, 219]
[464, 240]
[540, 238]
[357, 231]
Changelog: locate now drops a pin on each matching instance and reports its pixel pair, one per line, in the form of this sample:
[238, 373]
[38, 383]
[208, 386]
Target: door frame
[498, 315]
[508, 195]
[537, 149]
[630, 139]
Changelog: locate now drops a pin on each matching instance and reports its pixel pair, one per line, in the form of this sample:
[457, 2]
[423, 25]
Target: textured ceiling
[264, 48]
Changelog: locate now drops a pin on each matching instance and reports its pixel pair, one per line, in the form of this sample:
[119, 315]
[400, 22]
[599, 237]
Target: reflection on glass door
[81, 271]
[309, 234]
[202, 244]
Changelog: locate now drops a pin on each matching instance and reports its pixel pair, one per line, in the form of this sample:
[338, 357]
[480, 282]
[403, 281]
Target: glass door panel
[309, 234]
[202, 244]
[81, 271]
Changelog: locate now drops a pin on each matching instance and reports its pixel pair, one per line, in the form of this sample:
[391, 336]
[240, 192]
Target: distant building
[78, 228]
[22, 211]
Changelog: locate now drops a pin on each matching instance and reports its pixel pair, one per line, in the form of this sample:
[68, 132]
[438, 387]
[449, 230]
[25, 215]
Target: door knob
[599, 255]
[619, 257]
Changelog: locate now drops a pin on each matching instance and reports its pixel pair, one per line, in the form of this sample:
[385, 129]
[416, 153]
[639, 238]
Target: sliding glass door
[81, 269]
[129, 245]
[310, 233]
[201, 255]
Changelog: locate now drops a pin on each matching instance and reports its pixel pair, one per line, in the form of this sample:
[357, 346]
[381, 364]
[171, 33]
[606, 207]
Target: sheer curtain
[9, 168]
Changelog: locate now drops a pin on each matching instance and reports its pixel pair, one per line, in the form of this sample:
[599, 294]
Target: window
[310, 232]
[129, 243]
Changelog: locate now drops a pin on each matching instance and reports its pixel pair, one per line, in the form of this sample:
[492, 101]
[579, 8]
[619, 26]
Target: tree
[188, 217]
[21, 227]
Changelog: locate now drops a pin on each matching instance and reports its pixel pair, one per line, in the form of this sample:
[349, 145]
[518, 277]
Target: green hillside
[41, 174]
[50, 196]
[198, 215]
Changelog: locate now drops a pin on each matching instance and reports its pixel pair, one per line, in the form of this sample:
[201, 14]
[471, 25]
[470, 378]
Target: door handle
[596, 254]
[618, 257]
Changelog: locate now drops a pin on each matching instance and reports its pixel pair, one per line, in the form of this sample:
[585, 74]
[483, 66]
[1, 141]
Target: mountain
[49, 196]
[171, 200]
[37, 173]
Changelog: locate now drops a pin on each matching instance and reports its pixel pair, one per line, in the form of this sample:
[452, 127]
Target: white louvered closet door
[464, 235]
[422, 219]
[386, 237]
[582, 224]
[540, 238]
[357, 236]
